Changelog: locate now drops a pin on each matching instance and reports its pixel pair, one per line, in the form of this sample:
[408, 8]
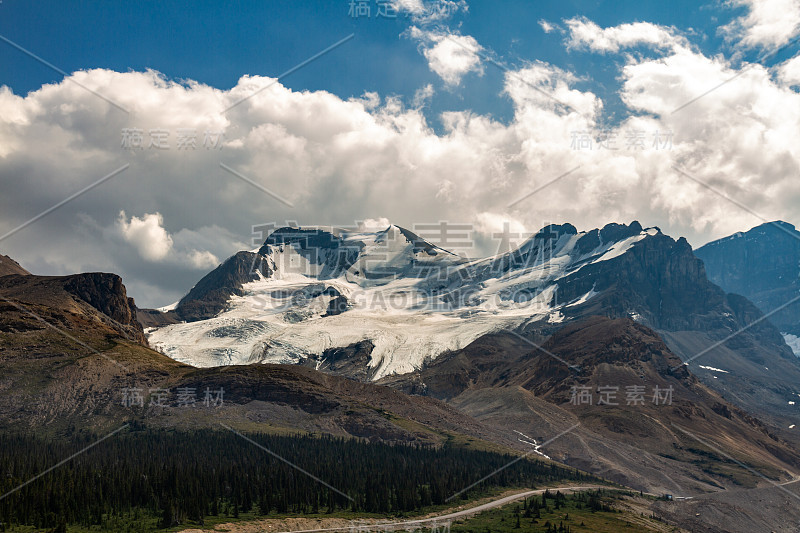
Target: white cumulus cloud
[342, 160]
[768, 23]
[449, 55]
[154, 243]
[586, 34]
[147, 235]
[789, 71]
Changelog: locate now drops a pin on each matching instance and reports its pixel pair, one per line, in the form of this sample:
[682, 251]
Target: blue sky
[411, 122]
[201, 41]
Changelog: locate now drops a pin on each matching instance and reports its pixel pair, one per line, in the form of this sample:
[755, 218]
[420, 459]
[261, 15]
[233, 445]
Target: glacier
[411, 299]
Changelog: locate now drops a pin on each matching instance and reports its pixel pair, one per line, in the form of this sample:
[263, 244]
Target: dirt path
[318, 525]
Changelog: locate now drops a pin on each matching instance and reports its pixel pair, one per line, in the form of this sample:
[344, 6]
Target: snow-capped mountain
[308, 291]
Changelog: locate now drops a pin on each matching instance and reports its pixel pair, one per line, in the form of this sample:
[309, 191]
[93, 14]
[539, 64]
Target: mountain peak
[615, 232]
[777, 224]
[8, 266]
[762, 264]
[409, 299]
[554, 231]
[777, 229]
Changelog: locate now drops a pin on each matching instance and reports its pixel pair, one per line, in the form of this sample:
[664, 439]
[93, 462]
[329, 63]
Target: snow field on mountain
[409, 319]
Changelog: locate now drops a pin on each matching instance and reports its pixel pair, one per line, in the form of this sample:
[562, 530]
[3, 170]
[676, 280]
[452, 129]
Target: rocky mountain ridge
[369, 305]
[763, 265]
[96, 296]
[630, 394]
[500, 391]
[9, 266]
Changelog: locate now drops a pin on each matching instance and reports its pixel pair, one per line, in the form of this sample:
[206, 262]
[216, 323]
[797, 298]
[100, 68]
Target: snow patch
[714, 369]
[793, 341]
[621, 247]
[170, 307]
[585, 298]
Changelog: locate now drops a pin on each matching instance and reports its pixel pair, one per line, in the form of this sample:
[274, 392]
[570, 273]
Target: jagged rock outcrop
[352, 361]
[106, 293]
[659, 279]
[99, 296]
[211, 294]
[324, 249]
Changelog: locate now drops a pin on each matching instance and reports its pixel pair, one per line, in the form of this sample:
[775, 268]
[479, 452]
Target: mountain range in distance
[763, 265]
[384, 336]
[374, 304]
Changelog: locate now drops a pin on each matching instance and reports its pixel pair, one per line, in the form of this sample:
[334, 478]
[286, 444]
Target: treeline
[183, 477]
[594, 500]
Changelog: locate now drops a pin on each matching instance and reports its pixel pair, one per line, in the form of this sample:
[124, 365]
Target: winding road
[442, 519]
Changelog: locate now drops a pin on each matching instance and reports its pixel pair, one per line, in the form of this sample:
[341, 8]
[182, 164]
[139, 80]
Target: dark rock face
[589, 242]
[351, 361]
[96, 296]
[616, 232]
[305, 238]
[540, 244]
[420, 245]
[319, 247]
[763, 265]
[210, 296]
[107, 294]
[104, 292]
[664, 281]
[658, 278]
[660, 283]
[337, 306]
